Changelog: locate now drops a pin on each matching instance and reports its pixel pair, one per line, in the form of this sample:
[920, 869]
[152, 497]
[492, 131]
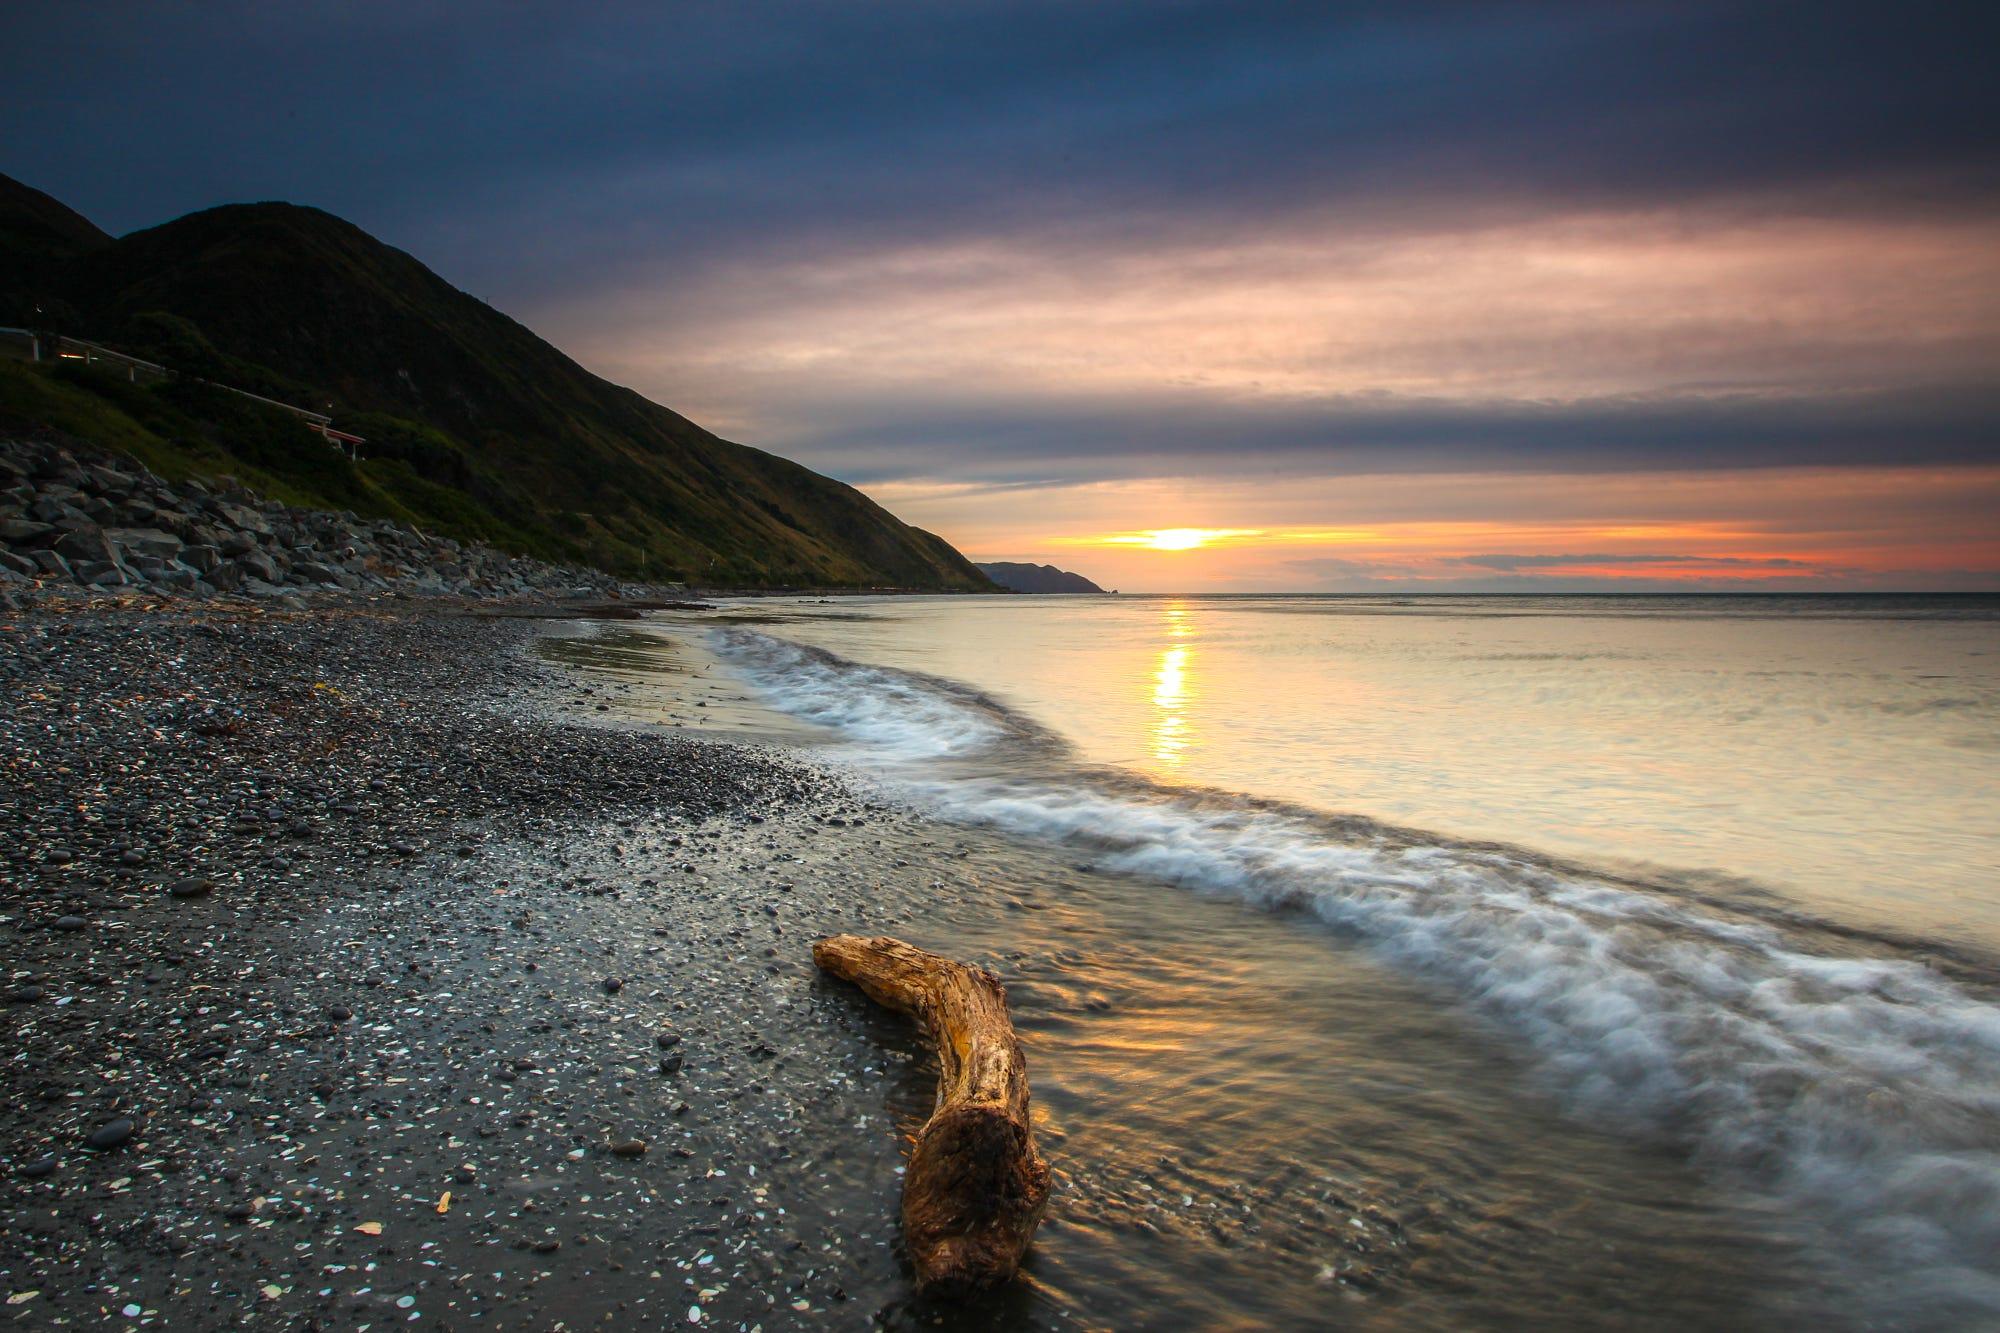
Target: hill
[1036, 578]
[474, 425]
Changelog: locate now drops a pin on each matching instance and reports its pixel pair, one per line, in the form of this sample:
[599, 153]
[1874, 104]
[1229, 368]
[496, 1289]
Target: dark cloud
[714, 126]
[1161, 434]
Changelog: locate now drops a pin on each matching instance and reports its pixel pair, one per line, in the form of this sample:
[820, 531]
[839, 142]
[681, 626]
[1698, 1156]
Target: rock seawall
[72, 517]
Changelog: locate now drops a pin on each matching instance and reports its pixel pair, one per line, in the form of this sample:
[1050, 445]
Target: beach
[410, 964]
[489, 1003]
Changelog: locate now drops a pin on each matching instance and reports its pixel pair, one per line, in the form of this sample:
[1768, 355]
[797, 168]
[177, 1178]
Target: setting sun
[1178, 539]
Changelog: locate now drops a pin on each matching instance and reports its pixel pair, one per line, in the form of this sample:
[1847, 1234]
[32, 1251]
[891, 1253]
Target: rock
[246, 520]
[116, 1134]
[87, 545]
[101, 573]
[25, 532]
[20, 564]
[671, 1064]
[27, 994]
[107, 481]
[338, 1013]
[38, 1168]
[191, 887]
[612, 985]
[629, 1148]
[257, 565]
[146, 541]
[71, 922]
[314, 572]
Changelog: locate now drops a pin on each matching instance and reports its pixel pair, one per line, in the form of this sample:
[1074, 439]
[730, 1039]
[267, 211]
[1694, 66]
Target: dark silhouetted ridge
[1036, 578]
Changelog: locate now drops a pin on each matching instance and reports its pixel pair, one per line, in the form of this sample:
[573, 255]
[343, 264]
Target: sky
[1186, 297]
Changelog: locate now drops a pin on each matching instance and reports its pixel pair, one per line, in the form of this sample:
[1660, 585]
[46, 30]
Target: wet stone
[115, 1134]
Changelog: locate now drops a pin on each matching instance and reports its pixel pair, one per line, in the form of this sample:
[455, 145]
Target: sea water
[1665, 927]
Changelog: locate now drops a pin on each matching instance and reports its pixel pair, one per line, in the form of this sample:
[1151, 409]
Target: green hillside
[475, 426]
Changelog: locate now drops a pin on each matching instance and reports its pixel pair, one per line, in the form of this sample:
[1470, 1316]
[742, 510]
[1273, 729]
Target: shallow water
[1594, 963]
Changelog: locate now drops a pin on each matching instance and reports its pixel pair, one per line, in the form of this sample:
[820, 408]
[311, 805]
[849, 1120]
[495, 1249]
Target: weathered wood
[975, 1187]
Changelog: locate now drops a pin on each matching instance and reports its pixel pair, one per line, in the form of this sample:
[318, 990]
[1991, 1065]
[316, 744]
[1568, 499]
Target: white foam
[1865, 1090]
[893, 713]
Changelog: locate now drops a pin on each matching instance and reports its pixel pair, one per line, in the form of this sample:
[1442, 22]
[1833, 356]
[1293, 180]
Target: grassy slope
[186, 430]
[475, 425]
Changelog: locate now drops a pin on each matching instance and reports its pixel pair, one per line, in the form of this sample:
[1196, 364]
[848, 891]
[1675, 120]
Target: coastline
[484, 924]
[419, 970]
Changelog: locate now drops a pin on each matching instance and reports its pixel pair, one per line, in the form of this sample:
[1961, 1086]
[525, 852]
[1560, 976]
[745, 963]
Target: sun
[1178, 539]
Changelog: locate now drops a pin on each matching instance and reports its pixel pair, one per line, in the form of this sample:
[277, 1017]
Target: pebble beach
[333, 1000]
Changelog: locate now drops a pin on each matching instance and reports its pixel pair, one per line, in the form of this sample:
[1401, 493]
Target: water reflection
[1171, 732]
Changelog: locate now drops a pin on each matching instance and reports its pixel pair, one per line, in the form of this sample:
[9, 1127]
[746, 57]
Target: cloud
[1184, 434]
[583, 136]
[1514, 563]
[1198, 263]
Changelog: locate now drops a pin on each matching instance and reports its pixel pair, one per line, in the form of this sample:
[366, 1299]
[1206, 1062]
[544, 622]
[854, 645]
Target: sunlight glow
[1179, 539]
[1171, 733]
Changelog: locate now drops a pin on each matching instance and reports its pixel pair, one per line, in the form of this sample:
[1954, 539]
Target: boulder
[313, 572]
[146, 541]
[25, 532]
[101, 574]
[55, 464]
[245, 519]
[87, 544]
[257, 565]
[107, 482]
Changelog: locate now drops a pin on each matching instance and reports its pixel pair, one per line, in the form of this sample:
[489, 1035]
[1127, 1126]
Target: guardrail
[47, 347]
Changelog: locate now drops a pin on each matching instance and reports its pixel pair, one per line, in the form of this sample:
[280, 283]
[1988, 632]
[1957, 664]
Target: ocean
[1450, 961]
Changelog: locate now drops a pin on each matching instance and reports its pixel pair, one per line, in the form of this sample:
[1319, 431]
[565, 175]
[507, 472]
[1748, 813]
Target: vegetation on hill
[475, 426]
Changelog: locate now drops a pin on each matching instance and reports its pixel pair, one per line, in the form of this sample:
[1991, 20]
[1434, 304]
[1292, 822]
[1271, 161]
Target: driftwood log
[975, 1187]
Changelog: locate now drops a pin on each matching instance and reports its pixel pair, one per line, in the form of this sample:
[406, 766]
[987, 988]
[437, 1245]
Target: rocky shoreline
[333, 1001]
[72, 517]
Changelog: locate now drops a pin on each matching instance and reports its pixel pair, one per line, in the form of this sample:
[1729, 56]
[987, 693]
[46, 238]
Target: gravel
[343, 950]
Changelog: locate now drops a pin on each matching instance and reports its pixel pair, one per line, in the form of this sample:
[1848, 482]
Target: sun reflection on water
[1171, 732]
